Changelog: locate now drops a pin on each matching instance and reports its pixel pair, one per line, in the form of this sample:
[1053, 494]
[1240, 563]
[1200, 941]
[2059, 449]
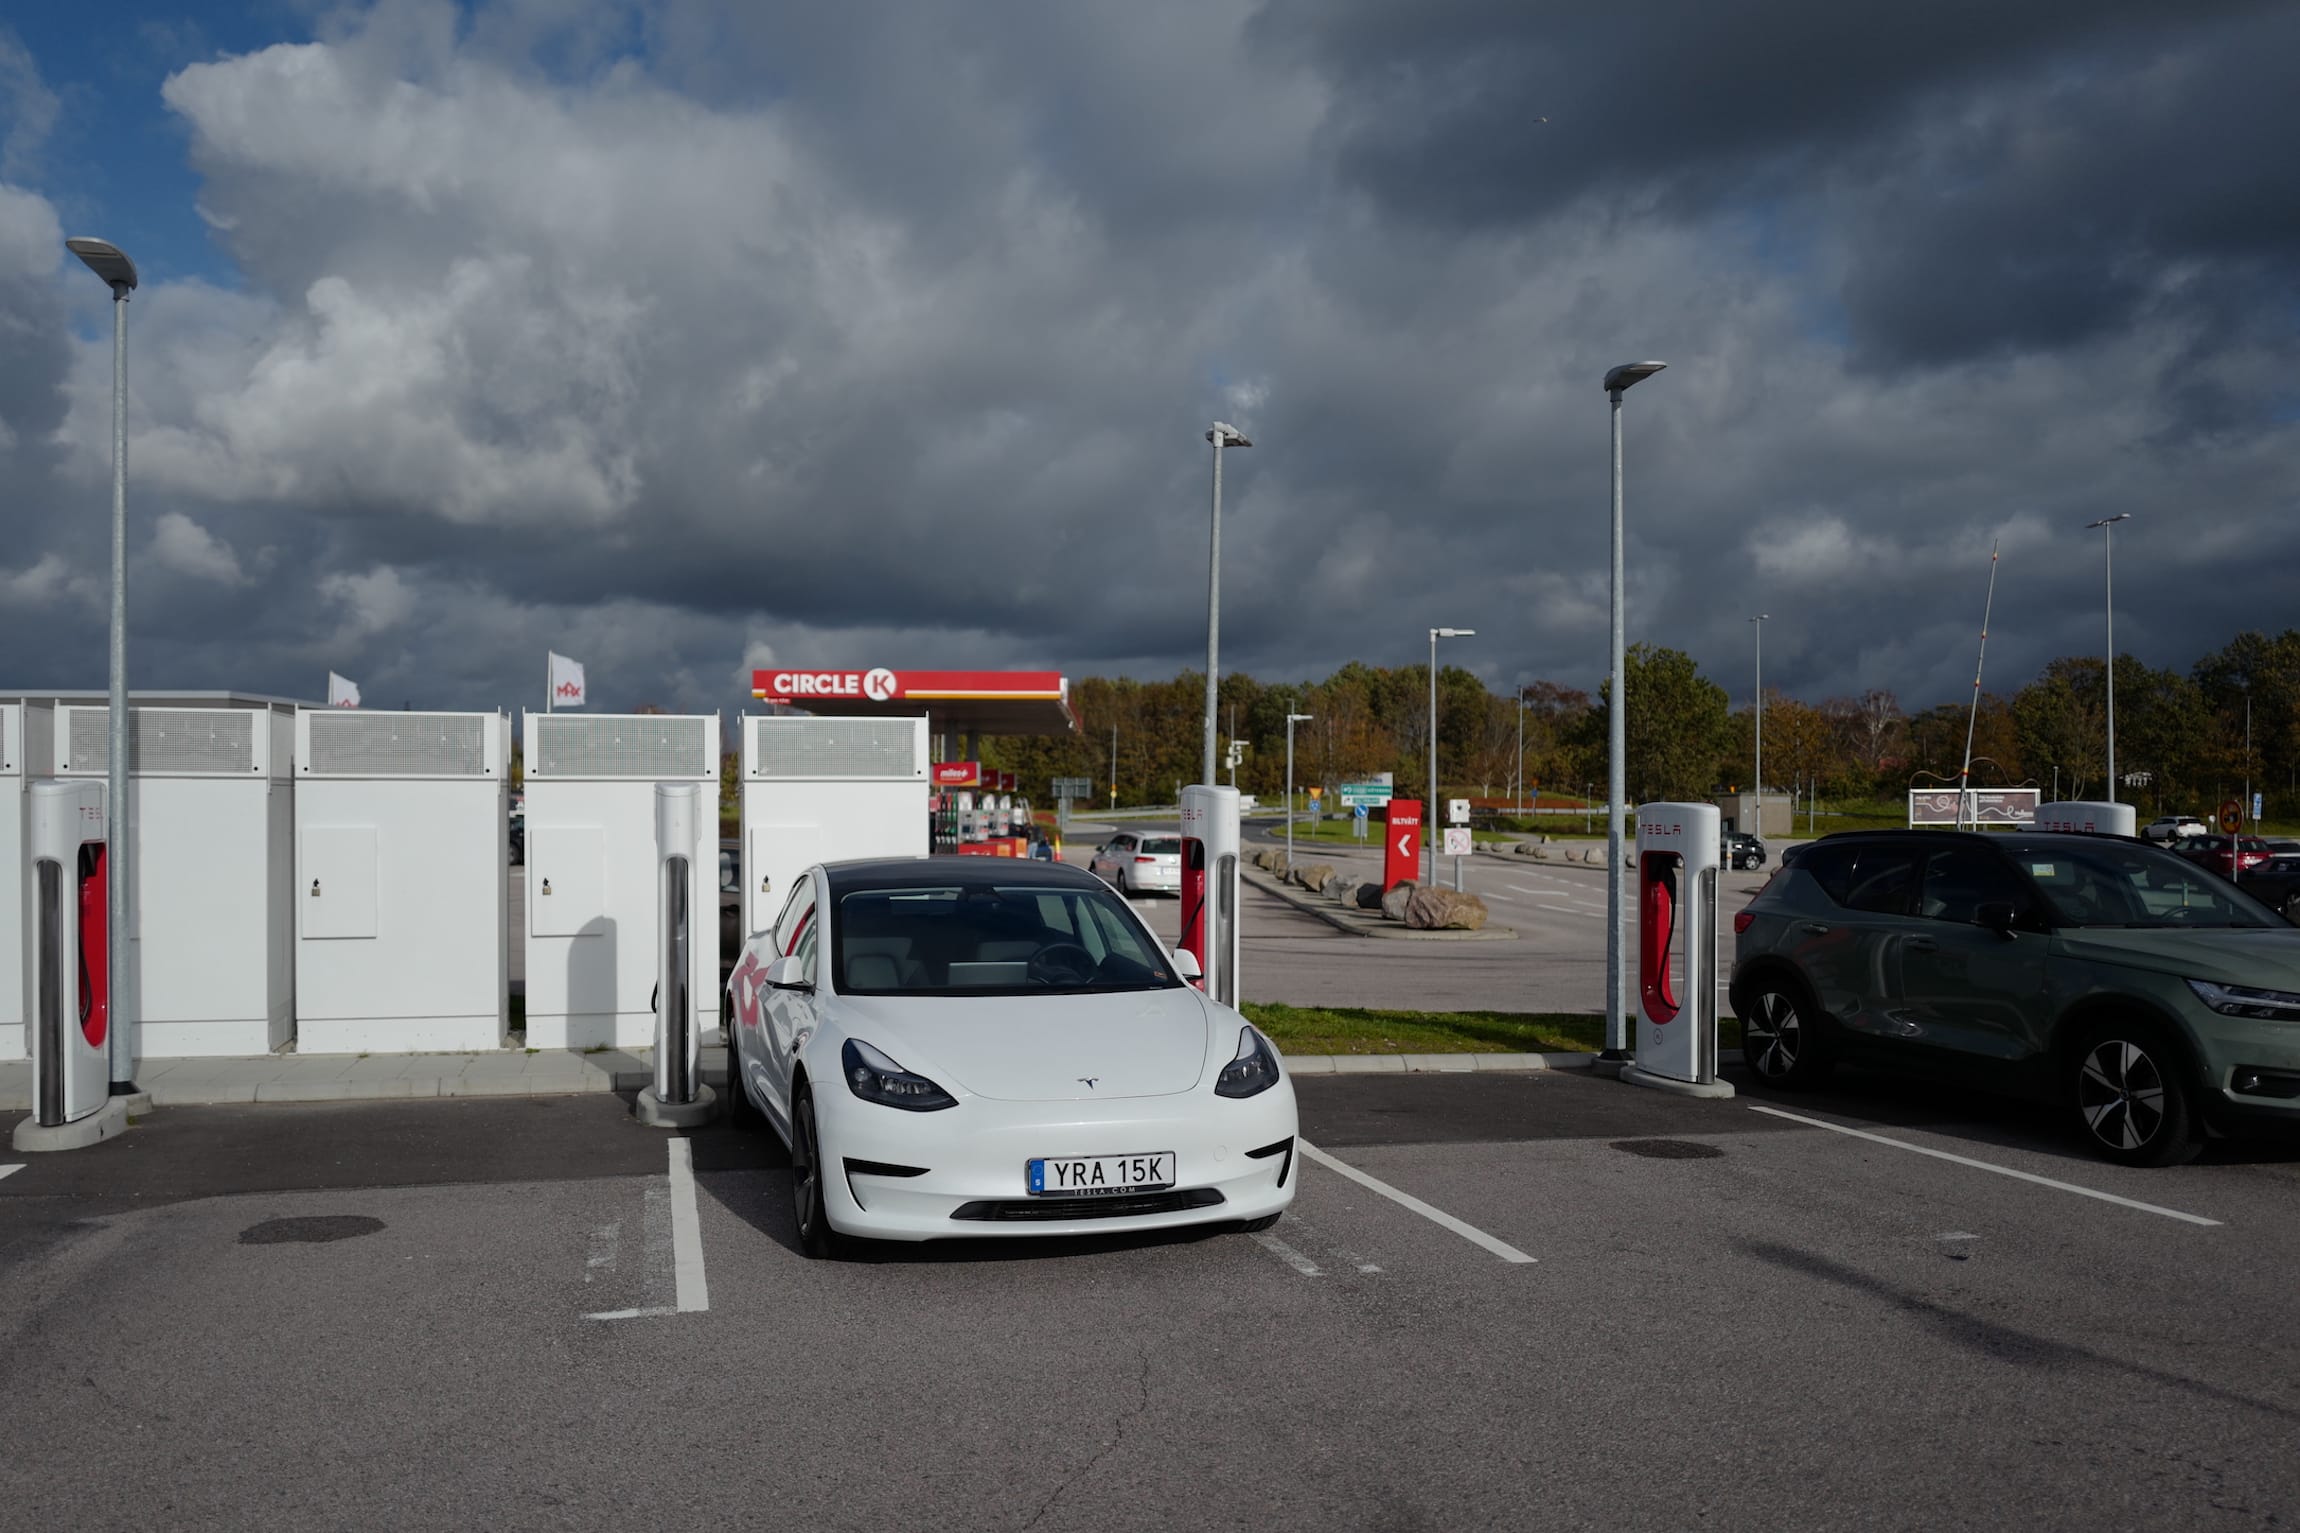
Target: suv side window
[1875, 876]
[1960, 879]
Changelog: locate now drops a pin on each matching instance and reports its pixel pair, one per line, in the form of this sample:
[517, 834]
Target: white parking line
[687, 1230]
[1289, 1255]
[9, 1171]
[1982, 1165]
[1437, 1216]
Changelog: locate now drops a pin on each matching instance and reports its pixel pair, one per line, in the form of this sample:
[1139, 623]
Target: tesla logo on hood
[1088, 1081]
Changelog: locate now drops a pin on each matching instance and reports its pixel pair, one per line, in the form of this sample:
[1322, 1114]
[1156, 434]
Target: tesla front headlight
[1254, 1071]
[876, 1078]
[2246, 1001]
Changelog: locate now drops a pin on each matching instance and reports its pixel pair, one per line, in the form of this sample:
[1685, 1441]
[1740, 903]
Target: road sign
[1365, 793]
[2232, 817]
[2255, 806]
[1457, 811]
[1357, 811]
[1316, 794]
[1402, 849]
[1456, 841]
[1073, 787]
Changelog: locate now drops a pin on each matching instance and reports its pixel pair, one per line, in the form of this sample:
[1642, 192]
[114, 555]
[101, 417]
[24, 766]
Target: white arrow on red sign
[1405, 850]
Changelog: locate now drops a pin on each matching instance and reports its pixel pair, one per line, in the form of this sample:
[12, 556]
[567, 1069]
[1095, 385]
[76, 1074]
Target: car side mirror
[1998, 916]
[788, 973]
[1186, 964]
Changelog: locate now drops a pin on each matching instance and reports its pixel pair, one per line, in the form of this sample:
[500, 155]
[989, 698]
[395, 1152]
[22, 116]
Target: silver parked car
[1139, 862]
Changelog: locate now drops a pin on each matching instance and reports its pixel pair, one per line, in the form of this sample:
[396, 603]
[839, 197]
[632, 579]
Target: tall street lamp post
[1617, 380]
[2107, 526]
[1757, 625]
[111, 263]
[1221, 436]
[1291, 720]
[1430, 810]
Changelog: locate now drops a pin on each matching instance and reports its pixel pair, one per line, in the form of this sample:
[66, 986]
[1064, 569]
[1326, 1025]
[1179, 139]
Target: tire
[2292, 908]
[2134, 1096]
[1781, 1042]
[1125, 883]
[816, 1237]
[1256, 1226]
[740, 1113]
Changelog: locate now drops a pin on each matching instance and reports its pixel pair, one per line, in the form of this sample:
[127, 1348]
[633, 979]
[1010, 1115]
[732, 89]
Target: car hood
[1044, 1048]
[2265, 956]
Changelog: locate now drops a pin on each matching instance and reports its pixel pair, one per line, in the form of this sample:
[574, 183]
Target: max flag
[342, 691]
[566, 678]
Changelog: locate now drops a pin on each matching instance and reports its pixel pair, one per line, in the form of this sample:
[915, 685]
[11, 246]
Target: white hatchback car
[960, 1047]
[1139, 862]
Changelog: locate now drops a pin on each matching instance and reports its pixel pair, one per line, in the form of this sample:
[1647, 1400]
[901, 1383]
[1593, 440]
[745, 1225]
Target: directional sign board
[1371, 793]
[1456, 841]
[1073, 787]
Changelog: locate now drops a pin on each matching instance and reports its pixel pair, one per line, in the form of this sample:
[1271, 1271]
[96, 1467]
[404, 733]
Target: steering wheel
[1061, 963]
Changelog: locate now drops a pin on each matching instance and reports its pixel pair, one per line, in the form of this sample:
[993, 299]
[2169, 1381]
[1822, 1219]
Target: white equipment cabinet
[23, 738]
[401, 885]
[211, 963]
[591, 871]
[826, 789]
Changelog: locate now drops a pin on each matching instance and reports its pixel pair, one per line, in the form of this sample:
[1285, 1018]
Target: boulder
[1595, 854]
[1394, 901]
[1438, 908]
[1344, 889]
[1316, 876]
[1369, 896]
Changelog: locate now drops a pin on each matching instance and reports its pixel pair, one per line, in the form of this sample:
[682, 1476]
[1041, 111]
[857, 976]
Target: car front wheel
[2134, 1098]
[816, 1237]
[1780, 1041]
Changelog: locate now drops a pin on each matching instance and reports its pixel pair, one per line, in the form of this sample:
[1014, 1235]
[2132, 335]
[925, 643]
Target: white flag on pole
[566, 682]
[342, 691]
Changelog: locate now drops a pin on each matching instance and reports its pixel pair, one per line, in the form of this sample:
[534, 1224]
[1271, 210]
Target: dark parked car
[1742, 850]
[2148, 995]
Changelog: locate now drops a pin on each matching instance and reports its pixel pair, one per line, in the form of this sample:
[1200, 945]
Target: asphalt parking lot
[1597, 1307]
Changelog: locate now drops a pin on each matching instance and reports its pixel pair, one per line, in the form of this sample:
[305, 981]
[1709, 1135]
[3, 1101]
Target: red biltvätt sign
[1402, 843]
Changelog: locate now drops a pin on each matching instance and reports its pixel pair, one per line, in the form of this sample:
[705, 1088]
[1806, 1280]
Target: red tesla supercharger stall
[70, 1016]
[1678, 859]
[1210, 888]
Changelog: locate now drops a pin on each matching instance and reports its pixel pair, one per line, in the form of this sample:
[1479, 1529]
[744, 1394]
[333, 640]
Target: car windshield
[2115, 883]
[1162, 846]
[1017, 938]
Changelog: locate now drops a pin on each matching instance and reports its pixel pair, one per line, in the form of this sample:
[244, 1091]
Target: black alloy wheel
[1779, 1044]
[2133, 1097]
[816, 1237]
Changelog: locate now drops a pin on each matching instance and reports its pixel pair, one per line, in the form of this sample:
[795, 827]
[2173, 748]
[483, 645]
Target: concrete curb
[1357, 924]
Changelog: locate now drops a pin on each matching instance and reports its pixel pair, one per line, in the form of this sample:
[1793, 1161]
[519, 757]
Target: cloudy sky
[686, 336]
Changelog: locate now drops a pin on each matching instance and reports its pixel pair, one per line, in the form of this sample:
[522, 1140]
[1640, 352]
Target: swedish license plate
[1093, 1176]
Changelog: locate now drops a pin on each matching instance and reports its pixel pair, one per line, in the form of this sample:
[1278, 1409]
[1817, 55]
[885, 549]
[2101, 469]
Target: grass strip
[1368, 1030]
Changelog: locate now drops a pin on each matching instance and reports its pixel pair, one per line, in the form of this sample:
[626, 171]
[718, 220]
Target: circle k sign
[878, 685]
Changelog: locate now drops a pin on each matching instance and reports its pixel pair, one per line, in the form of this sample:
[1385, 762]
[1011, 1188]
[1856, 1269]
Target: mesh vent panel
[803, 748]
[639, 746]
[164, 742]
[347, 743]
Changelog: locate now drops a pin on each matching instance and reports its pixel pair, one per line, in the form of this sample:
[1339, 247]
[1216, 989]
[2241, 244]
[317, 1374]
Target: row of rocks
[1422, 909]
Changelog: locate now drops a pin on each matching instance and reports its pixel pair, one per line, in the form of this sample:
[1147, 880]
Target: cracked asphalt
[375, 1315]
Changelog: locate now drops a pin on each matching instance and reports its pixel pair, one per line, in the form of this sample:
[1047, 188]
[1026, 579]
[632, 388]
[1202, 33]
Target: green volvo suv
[2146, 993]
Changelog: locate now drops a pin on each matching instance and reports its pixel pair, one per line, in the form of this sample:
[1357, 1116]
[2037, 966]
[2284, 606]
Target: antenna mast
[1965, 775]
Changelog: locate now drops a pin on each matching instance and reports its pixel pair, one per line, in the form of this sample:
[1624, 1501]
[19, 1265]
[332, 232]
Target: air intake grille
[163, 742]
[639, 746]
[353, 744]
[816, 748]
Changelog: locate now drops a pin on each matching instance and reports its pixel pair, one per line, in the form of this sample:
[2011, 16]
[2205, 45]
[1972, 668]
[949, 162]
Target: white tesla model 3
[970, 1046]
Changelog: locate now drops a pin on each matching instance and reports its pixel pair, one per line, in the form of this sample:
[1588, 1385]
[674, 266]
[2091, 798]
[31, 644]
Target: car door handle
[1816, 928]
[1923, 945]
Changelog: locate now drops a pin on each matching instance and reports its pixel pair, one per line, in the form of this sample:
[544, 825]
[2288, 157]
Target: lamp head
[2121, 516]
[1619, 378]
[106, 260]
[1300, 718]
[1222, 434]
[1452, 633]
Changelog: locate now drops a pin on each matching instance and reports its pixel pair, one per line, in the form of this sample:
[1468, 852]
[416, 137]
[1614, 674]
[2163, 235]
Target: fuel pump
[70, 1015]
[2091, 819]
[677, 1098]
[1679, 852]
[1210, 888]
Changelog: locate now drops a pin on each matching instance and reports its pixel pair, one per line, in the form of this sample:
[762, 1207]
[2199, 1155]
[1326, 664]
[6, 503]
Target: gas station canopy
[954, 702]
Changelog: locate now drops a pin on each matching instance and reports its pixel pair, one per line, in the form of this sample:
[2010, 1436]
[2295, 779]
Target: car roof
[944, 872]
[1986, 837]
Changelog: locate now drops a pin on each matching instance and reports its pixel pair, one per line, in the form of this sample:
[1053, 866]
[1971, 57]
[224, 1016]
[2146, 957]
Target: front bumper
[970, 1162]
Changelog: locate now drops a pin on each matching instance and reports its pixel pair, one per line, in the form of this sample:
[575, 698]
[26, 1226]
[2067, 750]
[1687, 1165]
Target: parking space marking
[9, 1171]
[1407, 1200]
[1982, 1165]
[1289, 1255]
[687, 1231]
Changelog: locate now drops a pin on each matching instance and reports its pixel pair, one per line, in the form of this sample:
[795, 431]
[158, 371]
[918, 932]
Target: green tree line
[2181, 736]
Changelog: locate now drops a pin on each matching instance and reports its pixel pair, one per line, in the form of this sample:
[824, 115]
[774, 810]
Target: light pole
[1757, 625]
[111, 263]
[1617, 379]
[1113, 766]
[1221, 436]
[1291, 720]
[1429, 810]
[1521, 752]
[2107, 525]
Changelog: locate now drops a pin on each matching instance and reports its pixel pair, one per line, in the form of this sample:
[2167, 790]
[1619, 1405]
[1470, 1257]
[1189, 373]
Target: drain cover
[1667, 1149]
[315, 1229]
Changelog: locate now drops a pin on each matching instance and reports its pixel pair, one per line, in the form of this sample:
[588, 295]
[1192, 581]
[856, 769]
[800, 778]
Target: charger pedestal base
[106, 1122]
[657, 1113]
[1637, 1077]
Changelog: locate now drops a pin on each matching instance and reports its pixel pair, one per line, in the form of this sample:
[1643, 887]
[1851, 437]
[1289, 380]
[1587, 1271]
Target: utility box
[592, 859]
[825, 789]
[210, 944]
[401, 884]
[24, 737]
